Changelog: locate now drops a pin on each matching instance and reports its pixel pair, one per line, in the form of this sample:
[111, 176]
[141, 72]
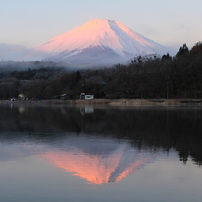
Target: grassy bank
[113, 102]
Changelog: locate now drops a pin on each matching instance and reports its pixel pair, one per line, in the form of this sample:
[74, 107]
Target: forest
[149, 77]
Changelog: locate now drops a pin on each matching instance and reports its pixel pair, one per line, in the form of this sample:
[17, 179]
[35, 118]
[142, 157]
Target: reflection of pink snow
[99, 169]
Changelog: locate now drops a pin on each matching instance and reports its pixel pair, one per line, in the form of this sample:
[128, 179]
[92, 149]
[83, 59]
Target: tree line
[143, 77]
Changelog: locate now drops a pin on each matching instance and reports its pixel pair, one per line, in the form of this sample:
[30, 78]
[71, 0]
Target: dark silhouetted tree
[183, 50]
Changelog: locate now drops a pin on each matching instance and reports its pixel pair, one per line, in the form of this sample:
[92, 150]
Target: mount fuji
[98, 42]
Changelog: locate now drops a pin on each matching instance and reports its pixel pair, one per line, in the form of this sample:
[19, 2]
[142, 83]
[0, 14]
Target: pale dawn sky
[32, 22]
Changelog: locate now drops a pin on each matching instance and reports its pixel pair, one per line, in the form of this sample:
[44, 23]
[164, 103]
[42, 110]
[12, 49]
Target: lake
[87, 154]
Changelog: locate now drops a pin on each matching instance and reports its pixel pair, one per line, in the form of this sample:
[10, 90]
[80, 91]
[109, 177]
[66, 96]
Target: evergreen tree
[183, 50]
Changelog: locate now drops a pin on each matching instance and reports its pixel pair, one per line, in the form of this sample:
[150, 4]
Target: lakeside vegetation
[143, 77]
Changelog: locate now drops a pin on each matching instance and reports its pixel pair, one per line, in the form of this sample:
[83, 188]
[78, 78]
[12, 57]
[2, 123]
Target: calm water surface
[90, 154]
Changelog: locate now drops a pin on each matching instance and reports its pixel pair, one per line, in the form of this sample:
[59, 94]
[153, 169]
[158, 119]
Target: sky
[33, 22]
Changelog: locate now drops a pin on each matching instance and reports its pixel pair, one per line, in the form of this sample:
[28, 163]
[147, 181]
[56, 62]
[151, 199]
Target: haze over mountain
[95, 42]
[9, 51]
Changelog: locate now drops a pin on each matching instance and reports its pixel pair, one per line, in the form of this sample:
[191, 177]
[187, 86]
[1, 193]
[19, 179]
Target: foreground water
[90, 154]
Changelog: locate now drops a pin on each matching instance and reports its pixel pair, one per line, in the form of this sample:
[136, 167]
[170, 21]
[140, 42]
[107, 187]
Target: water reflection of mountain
[98, 160]
[178, 128]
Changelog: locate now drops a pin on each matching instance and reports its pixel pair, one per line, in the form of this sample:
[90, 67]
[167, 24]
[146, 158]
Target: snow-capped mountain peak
[97, 41]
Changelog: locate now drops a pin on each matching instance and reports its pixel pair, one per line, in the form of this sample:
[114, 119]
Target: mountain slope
[99, 41]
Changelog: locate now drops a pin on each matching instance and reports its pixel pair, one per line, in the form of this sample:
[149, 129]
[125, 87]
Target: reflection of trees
[178, 128]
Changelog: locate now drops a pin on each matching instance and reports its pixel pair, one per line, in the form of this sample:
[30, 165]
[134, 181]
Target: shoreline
[112, 102]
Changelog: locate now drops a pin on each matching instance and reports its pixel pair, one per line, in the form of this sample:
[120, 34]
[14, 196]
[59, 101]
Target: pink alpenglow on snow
[98, 41]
